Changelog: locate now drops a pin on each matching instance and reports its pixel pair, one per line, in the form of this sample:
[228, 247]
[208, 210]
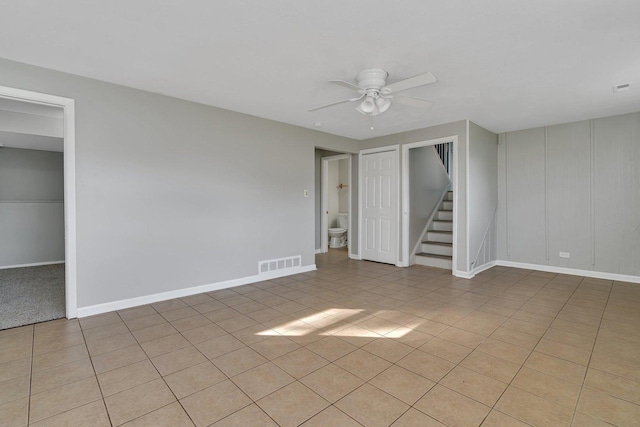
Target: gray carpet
[31, 295]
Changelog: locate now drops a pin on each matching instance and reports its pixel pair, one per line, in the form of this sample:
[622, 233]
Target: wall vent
[621, 88]
[279, 264]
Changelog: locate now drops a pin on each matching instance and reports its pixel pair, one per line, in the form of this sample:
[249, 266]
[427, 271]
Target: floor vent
[279, 264]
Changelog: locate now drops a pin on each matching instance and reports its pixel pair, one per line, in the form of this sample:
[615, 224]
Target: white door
[380, 207]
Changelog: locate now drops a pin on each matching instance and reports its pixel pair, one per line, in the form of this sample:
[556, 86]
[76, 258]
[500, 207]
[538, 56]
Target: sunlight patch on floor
[310, 324]
[302, 326]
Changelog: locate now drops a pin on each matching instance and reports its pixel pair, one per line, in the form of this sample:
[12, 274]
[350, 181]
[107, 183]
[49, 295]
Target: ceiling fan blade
[346, 84]
[411, 82]
[413, 102]
[336, 103]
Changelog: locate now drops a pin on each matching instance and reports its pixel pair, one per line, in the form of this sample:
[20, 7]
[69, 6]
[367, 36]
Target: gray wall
[172, 194]
[483, 195]
[31, 207]
[343, 178]
[572, 188]
[456, 128]
[427, 181]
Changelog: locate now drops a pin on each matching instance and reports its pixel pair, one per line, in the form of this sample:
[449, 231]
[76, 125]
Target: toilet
[338, 236]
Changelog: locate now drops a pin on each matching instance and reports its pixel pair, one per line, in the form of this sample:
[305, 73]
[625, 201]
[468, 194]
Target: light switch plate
[306, 193]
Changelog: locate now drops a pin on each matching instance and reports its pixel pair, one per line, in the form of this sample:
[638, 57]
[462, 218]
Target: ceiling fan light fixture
[378, 96]
[368, 105]
[383, 104]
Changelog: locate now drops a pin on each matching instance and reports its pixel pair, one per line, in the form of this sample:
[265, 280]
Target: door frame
[361, 227]
[406, 250]
[324, 201]
[69, 155]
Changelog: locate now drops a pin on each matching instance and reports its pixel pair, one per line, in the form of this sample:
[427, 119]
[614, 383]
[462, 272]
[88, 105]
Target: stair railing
[444, 153]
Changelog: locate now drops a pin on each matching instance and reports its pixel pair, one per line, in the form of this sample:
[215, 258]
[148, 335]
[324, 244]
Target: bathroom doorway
[336, 203]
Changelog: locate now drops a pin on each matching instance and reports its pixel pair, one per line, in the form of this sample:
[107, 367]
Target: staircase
[437, 243]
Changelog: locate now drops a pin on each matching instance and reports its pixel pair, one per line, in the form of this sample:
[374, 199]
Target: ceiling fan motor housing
[372, 78]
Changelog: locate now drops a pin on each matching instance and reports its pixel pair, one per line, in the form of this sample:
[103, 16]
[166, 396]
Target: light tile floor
[355, 343]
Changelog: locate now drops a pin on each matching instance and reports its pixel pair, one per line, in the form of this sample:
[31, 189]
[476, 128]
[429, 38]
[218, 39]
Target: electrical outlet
[564, 255]
[306, 193]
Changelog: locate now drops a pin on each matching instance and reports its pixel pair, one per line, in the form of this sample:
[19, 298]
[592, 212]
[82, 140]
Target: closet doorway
[37, 208]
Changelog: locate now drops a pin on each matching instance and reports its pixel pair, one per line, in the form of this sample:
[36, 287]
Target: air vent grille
[622, 87]
[279, 264]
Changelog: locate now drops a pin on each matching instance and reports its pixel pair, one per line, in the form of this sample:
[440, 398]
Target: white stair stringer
[437, 243]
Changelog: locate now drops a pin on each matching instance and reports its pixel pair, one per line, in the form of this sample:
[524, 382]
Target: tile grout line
[368, 294]
[54, 367]
[474, 349]
[541, 337]
[538, 342]
[414, 349]
[521, 365]
[209, 360]
[104, 403]
[547, 329]
[33, 345]
[595, 341]
[154, 367]
[254, 402]
[295, 379]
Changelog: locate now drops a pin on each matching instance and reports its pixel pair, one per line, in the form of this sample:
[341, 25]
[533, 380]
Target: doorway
[336, 202]
[38, 204]
[429, 224]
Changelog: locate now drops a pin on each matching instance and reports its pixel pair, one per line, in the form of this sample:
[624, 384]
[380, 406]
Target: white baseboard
[571, 271]
[471, 274]
[34, 264]
[484, 267]
[318, 251]
[92, 310]
[463, 274]
[355, 256]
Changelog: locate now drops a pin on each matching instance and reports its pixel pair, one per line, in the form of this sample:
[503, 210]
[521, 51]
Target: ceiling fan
[377, 95]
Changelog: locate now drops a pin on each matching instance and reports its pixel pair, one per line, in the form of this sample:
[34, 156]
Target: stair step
[434, 260]
[442, 225]
[444, 215]
[430, 255]
[440, 236]
[437, 248]
[430, 242]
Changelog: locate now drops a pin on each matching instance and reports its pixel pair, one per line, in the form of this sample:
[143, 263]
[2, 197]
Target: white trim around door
[68, 105]
[406, 250]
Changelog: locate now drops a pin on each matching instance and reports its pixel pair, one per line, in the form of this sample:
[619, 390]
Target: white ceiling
[505, 64]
